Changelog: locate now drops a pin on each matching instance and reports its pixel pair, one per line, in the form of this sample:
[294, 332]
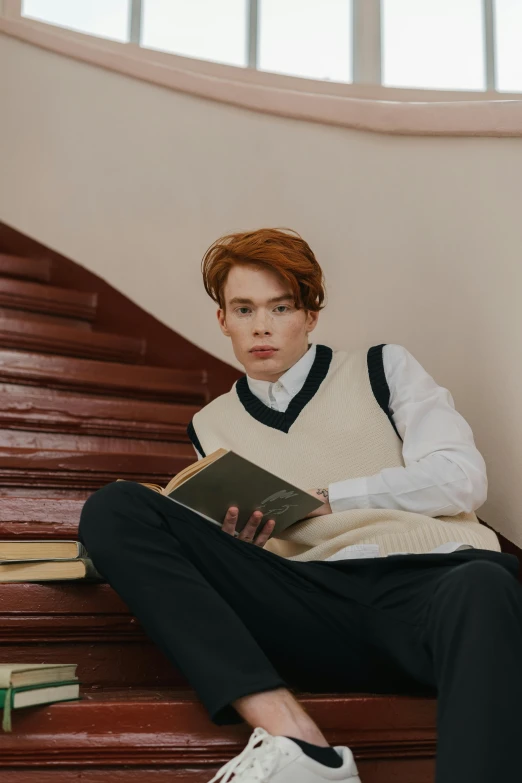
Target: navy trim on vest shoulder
[191, 432]
[380, 388]
[283, 420]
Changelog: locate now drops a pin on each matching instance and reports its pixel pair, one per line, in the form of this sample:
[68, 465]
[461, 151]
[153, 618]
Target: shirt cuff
[348, 494]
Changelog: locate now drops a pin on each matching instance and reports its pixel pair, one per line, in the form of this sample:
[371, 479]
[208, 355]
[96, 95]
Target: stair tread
[18, 442]
[66, 340]
[25, 268]
[139, 722]
[39, 468]
[33, 408]
[43, 457]
[100, 662]
[22, 509]
[92, 376]
[44, 298]
[99, 696]
[31, 599]
[29, 518]
[40, 317]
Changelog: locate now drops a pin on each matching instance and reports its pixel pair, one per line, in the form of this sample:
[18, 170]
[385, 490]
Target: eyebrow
[239, 300]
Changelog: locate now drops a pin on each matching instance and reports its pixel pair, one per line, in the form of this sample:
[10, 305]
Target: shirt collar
[292, 380]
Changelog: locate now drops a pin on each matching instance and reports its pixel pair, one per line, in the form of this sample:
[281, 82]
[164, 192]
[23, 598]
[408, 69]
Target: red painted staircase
[82, 404]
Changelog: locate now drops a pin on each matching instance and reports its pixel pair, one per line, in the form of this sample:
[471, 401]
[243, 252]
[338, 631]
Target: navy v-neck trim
[283, 420]
[378, 381]
[318, 372]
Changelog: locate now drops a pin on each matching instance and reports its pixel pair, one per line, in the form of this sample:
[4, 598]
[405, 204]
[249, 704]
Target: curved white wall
[420, 238]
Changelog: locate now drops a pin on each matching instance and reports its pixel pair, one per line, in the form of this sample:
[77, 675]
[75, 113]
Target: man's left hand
[321, 494]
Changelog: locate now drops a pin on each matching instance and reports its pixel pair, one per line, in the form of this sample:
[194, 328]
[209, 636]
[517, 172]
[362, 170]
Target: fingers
[264, 534]
[251, 528]
[229, 523]
[249, 531]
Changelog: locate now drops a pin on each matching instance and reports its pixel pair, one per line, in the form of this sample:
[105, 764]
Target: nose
[261, 323]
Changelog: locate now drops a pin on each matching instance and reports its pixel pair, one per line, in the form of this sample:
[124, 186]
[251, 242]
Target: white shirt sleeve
[199, 456]
[444, 472]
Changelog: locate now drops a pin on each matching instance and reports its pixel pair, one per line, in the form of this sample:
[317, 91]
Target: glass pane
[207, 29]
[508, 25]
[309, 38]
[106, 18]
[433, 43]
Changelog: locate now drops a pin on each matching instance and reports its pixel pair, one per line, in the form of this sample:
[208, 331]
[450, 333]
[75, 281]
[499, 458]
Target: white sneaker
[280, 760]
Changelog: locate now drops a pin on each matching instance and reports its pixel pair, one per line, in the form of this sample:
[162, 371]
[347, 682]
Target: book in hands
[224, 479]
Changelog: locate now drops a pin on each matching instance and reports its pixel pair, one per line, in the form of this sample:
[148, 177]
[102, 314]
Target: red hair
[281, 250]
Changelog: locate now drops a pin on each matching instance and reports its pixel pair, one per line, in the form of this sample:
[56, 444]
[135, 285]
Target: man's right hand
[249, 531]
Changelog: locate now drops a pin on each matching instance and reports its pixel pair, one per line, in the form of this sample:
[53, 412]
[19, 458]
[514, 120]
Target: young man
[392, 585]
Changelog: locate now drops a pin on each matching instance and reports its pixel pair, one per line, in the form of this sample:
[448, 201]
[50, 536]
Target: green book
[26, 685]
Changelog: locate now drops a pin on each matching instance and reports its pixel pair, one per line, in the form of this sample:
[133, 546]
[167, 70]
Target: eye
[242, 308]
[284, 306]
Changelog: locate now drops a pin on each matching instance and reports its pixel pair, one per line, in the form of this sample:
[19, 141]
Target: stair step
[73, 470]
[59, 628]
[14, 440]
[29, 518]
[392, 737]
[101, 663]
[29, 407]
[50, 299]
[83, 622]
[6, 312]
[28, 335]
[56, 629]
[27, 492]
[108, 378]
[25, 268]
[29, 600]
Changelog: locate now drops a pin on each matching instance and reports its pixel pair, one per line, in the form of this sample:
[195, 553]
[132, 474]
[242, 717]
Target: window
[107, 18]
[420, 44]
[310, 38]
[508, 29]
[433, 43]
[209, 29]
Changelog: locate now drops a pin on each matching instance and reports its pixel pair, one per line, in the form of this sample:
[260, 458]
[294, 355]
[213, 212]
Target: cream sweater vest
[337, 427]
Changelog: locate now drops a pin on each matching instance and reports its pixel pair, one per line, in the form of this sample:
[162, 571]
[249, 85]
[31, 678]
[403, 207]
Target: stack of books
[43, 561]
[28, 684]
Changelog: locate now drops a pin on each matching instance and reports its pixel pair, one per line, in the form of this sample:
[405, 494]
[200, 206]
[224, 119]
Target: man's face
[259, 311]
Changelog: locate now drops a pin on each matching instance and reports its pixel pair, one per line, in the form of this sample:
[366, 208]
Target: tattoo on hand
[324, 493]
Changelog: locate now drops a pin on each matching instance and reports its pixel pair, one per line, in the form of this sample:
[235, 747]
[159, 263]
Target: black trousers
[237, 619]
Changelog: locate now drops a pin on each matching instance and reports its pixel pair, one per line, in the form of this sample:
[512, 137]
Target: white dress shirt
[444, 473]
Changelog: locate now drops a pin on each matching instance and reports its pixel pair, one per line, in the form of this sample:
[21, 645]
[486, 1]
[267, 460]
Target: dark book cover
[232, 480]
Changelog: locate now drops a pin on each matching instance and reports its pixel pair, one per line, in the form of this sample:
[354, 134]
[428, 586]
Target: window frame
[366, 55]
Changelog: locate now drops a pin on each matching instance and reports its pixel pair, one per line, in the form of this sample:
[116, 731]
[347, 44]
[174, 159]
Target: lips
[263, 352]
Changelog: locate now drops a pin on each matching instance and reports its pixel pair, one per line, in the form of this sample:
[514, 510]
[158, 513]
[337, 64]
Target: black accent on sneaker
[326, 756]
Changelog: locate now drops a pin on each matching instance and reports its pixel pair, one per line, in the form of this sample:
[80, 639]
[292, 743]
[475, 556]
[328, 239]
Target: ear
[311, 320]
[222, 322]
